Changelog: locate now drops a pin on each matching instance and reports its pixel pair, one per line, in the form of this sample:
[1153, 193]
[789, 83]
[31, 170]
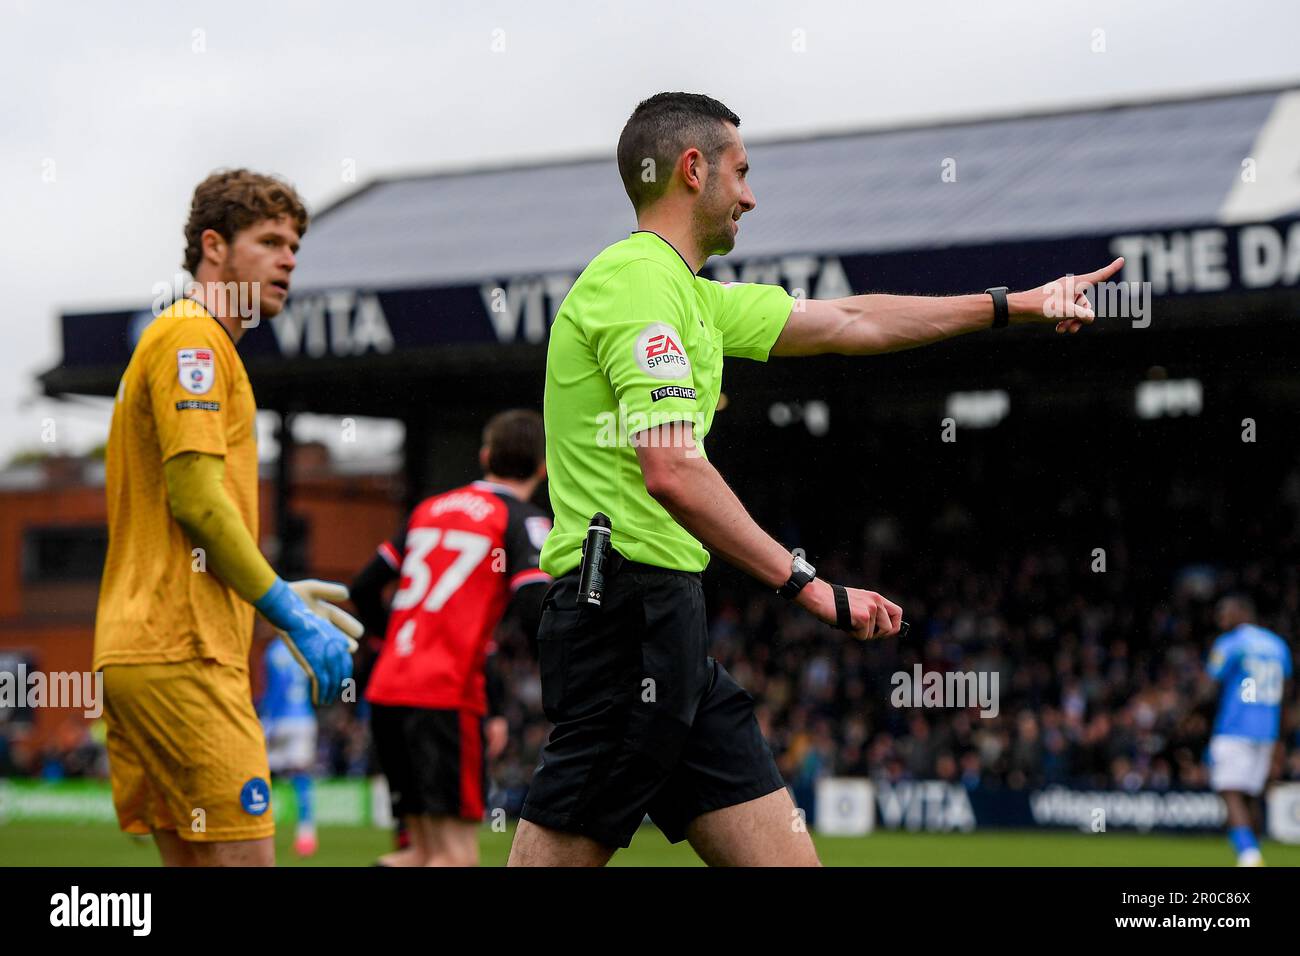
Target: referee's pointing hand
[1063, 301]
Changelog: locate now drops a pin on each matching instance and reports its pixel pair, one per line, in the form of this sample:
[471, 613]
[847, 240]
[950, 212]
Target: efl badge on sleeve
[196, 369]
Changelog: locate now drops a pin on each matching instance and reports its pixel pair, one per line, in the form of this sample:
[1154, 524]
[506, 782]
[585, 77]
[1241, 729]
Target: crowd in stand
[1088, 693]
[1099, 655]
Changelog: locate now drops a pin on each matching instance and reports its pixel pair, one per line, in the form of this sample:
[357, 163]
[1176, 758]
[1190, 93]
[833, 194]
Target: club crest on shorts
[659, 352]
[255, 797]
[196, 370]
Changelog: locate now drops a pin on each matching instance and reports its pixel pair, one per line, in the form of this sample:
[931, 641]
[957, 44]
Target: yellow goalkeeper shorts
[186, 751]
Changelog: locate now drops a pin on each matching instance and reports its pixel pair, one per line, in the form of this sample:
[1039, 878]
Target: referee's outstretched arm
[695, 494]
[873, 324]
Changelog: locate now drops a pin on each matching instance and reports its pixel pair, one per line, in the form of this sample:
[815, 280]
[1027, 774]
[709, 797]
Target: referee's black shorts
[645, 721]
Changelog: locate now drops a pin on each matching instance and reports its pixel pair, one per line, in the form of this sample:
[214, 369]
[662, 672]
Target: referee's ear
[695, 169]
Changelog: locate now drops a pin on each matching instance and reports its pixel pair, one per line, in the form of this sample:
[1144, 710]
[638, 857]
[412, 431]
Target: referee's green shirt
[639, 342]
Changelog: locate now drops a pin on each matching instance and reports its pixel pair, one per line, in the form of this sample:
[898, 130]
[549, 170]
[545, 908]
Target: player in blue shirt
[290, 726]
[1251, 665]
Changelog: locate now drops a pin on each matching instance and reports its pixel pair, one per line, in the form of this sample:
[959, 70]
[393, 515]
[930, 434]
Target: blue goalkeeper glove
[323, 650]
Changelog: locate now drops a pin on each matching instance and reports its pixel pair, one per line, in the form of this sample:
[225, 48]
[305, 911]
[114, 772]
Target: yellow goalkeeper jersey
[184, 390]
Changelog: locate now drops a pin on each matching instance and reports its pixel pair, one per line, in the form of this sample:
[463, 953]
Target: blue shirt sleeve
[1221, 654]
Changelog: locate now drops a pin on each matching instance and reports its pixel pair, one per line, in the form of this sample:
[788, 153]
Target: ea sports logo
[661, 345]
[659, 352]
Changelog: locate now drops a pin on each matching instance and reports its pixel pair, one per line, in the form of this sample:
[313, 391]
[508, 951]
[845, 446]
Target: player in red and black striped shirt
[460, 559]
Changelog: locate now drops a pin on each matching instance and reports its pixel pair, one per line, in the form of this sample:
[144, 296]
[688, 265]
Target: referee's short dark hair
[659, 129]
[516, 443]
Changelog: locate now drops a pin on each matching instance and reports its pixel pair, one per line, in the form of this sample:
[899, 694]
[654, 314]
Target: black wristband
[843, 615]
[1001, 312]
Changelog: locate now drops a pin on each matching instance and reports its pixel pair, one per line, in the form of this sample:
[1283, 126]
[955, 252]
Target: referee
[645, 721]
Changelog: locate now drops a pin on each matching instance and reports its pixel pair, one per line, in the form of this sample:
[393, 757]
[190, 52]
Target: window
[1169, 397]
[64, 553]
[978, 409]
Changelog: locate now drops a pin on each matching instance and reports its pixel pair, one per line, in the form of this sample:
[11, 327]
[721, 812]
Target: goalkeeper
[183, 572]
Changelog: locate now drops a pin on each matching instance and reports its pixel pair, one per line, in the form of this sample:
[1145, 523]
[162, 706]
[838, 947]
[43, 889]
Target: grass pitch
[59, 844]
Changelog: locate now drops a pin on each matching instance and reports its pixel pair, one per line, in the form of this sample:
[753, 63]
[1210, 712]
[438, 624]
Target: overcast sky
[112, 113]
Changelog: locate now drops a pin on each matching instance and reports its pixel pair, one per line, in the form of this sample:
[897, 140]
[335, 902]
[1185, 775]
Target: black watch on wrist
[1001, 312]
[801, 572]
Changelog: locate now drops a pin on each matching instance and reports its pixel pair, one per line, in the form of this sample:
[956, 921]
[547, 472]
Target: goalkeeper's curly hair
[233, 199]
